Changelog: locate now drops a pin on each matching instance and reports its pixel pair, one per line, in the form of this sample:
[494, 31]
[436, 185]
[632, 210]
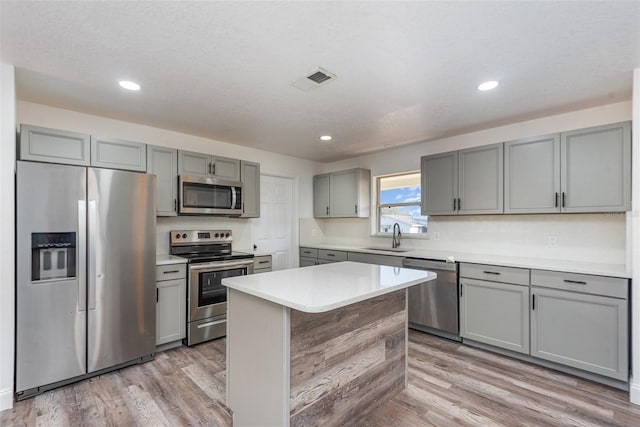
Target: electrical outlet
[552, 241]
[436, 235]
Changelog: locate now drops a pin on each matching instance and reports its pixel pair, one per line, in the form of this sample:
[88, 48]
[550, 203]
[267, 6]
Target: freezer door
[121, 303]
[50, 286]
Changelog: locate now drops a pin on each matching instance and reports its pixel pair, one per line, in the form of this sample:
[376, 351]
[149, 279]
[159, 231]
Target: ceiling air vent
[315, 78]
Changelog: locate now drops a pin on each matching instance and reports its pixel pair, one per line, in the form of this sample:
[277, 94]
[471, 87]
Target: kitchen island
[321, 345]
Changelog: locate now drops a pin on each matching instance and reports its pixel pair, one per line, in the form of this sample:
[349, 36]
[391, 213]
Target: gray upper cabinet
[321, 196]
[463, 182]
[118, 154]
[596, 169]
[532, 175]
[349, 193]
[205, 165]
[250, 177]
[343, 194]
[163, 162]
[54, 146]
[439, 175]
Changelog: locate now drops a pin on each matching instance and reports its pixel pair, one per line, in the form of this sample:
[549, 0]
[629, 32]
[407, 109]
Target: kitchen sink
[386, 249]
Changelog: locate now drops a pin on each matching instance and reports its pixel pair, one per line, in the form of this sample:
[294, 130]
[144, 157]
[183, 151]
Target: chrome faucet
[396, 236]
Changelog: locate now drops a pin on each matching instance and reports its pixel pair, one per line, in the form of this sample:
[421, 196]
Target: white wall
[634, 252]
[582, 237]
[270, 163]
[7, 232]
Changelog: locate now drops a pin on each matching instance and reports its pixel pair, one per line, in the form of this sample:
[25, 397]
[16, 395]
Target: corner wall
[7, 232]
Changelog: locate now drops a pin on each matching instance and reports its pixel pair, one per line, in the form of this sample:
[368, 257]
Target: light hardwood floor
[449, 385]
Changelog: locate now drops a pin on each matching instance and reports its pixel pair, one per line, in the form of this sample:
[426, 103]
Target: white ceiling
[406, 71]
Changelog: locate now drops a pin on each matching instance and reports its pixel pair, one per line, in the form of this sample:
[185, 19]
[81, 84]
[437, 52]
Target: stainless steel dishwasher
[433, 306]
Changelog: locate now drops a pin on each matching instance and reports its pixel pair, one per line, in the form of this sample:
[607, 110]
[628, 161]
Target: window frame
[377, 205]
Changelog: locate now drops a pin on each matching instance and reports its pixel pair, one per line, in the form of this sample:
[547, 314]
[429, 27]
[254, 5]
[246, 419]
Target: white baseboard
[634, 393]
[6, 399]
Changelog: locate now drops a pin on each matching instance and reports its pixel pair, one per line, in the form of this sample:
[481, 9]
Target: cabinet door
[195, 164]
[321, 208]
[170, 311]
[224, 168]
[495, 313]
[439, 174]
[532, 175]
[118, 154]
[250, 178]
[307, 262]
[480, 180]
[343, 198]
[163, 162]
[54, 146]
[588, 332]
[596, 169]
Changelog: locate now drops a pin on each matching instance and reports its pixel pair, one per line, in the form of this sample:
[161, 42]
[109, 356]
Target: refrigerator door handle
[93, 244]
[82, 255]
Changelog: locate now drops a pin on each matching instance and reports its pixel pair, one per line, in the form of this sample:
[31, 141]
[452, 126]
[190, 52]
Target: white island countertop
[326, 287]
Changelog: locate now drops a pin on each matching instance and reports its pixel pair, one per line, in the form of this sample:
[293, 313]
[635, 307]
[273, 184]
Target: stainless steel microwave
[209, 196]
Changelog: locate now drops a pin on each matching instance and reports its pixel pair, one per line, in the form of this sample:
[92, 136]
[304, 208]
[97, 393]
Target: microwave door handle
[233, 197]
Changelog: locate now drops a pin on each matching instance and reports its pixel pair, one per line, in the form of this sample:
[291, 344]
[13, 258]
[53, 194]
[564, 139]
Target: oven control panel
[190, 237]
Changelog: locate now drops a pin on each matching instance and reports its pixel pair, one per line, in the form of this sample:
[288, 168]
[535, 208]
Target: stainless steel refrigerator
[85, 288]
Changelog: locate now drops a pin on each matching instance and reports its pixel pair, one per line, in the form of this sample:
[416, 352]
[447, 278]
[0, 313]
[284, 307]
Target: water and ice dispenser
[53, 256]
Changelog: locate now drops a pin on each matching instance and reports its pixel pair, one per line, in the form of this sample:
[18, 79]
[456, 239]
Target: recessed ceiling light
[491, 84]
[326, 138]
[129, 85]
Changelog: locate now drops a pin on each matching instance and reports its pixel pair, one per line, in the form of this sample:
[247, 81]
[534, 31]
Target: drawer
[333, 256]
[261, 270]
[597, 285]
[494, 273]
[309, 252]
[261, 262]
[171, 271]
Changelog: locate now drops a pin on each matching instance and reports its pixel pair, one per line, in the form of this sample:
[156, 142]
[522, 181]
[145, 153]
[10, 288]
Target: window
[399, 201]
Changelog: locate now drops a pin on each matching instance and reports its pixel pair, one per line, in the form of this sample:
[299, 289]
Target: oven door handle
[220, 265]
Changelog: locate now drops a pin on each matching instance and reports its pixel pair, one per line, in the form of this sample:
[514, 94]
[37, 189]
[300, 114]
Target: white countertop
[169, 259]
[569, 266]
[329, 286]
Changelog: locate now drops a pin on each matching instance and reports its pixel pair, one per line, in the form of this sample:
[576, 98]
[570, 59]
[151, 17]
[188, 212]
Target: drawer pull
[263, 262]
[171, 271]
[491, 272]
[575, 282]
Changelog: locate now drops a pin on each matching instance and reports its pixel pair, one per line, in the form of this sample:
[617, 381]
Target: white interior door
[273, 232]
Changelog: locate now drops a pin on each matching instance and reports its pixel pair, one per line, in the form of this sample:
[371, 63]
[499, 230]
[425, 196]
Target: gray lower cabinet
[170, 303]
[208, 166]
[494, 306]
[250, 177]
[307, 262]
[367, 258]
[118, 154]
[596, 169]
[262, 264]
[163, 162]
[463, 182]
[581, 321]
[313, 256]
[54, 146]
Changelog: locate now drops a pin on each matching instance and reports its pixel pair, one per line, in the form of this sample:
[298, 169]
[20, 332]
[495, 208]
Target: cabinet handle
[563, 199]
[461, 288]
[157, 295]
[459, 204]
[555, 204]
[327, 210]
[171, 271]
[331, 255]
[575, 282]
[242, 206]
[263, 262]
[491, 272]
[175, 205]
[454, 204]
[209, 168]
[533, 302]
[213, 167]
[356, 209]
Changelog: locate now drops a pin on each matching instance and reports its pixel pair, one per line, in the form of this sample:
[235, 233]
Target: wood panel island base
[322, 345]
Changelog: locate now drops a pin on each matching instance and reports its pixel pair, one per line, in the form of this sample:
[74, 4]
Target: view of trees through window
[399, 201]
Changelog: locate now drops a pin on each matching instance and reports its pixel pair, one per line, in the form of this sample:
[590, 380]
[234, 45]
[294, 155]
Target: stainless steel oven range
[211, 259]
